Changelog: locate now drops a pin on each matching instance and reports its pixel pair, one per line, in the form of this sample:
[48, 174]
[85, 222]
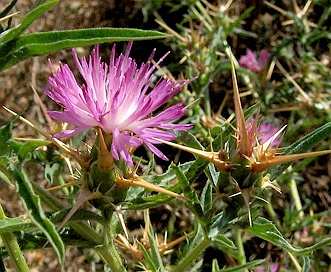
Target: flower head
[117, 98]
[265, 132]
[254, 65]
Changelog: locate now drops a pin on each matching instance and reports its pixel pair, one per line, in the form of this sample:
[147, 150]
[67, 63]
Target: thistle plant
[149, 173]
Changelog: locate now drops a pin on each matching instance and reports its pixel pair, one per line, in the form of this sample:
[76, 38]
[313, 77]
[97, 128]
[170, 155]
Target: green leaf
[38, 44]
[8, 146]
[11, 148]
[33, 241]
[306, 264]
[195, 248]
[154, 251]
[150, 202]
[152, 256]
[31, 202]
[189, 193]
[224, 241]
[13, 33]
[207, 198]
[51, 171]
[301, 146]
[242, 267]
[3, 173]
[266, 230]
[224, 244]
[30, 146]
[316, 35]
[135, 195]
[147, 257]
[188, 139]
[79, 215]
[14, 224]
[242, 16]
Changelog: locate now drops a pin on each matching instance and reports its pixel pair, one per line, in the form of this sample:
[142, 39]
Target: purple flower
[117, 98]
[250, 62]
[266, 132]
[258, 135]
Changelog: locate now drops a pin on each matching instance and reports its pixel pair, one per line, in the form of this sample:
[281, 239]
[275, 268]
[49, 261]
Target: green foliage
[301, 146]
[14, 224]
[266, 229]
[213, 204]
[32, 204]
[16, 46]
[37, 44]
[14, 154]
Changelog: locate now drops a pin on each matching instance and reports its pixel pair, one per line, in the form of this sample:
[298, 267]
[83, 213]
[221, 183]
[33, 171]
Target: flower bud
[104, 180]
[101, 179]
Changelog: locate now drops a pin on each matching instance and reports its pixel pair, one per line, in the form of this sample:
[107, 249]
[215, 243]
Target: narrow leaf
[13, 33]
[8, 146]
[301, 146]
[30, 146]
[306, 264]
[155, 253]
[148, 257]
[31, 202]
[242, 267]
[221, 239]
[38, 44]
[14, 224]
[266, 230]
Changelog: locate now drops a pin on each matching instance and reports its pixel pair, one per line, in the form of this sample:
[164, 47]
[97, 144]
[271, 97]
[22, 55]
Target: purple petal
[118, 98]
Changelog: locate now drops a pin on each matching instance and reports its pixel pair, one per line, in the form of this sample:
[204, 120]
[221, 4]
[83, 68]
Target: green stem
[107, 251]
[110, 255]
[13, 248]
[192, 255]
[272, 213]
[207, 103]
[240, 246]
[296, 197]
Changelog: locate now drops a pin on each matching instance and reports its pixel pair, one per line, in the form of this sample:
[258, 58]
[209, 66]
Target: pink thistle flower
[250, 62]
[267, 131]
[117, 98]
[262, 133]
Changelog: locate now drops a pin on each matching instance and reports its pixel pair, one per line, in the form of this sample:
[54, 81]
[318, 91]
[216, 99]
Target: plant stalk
[192, 255]
[272, 213]
[13, 248]
[239, 243]
[296, 198]
[107, 250]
